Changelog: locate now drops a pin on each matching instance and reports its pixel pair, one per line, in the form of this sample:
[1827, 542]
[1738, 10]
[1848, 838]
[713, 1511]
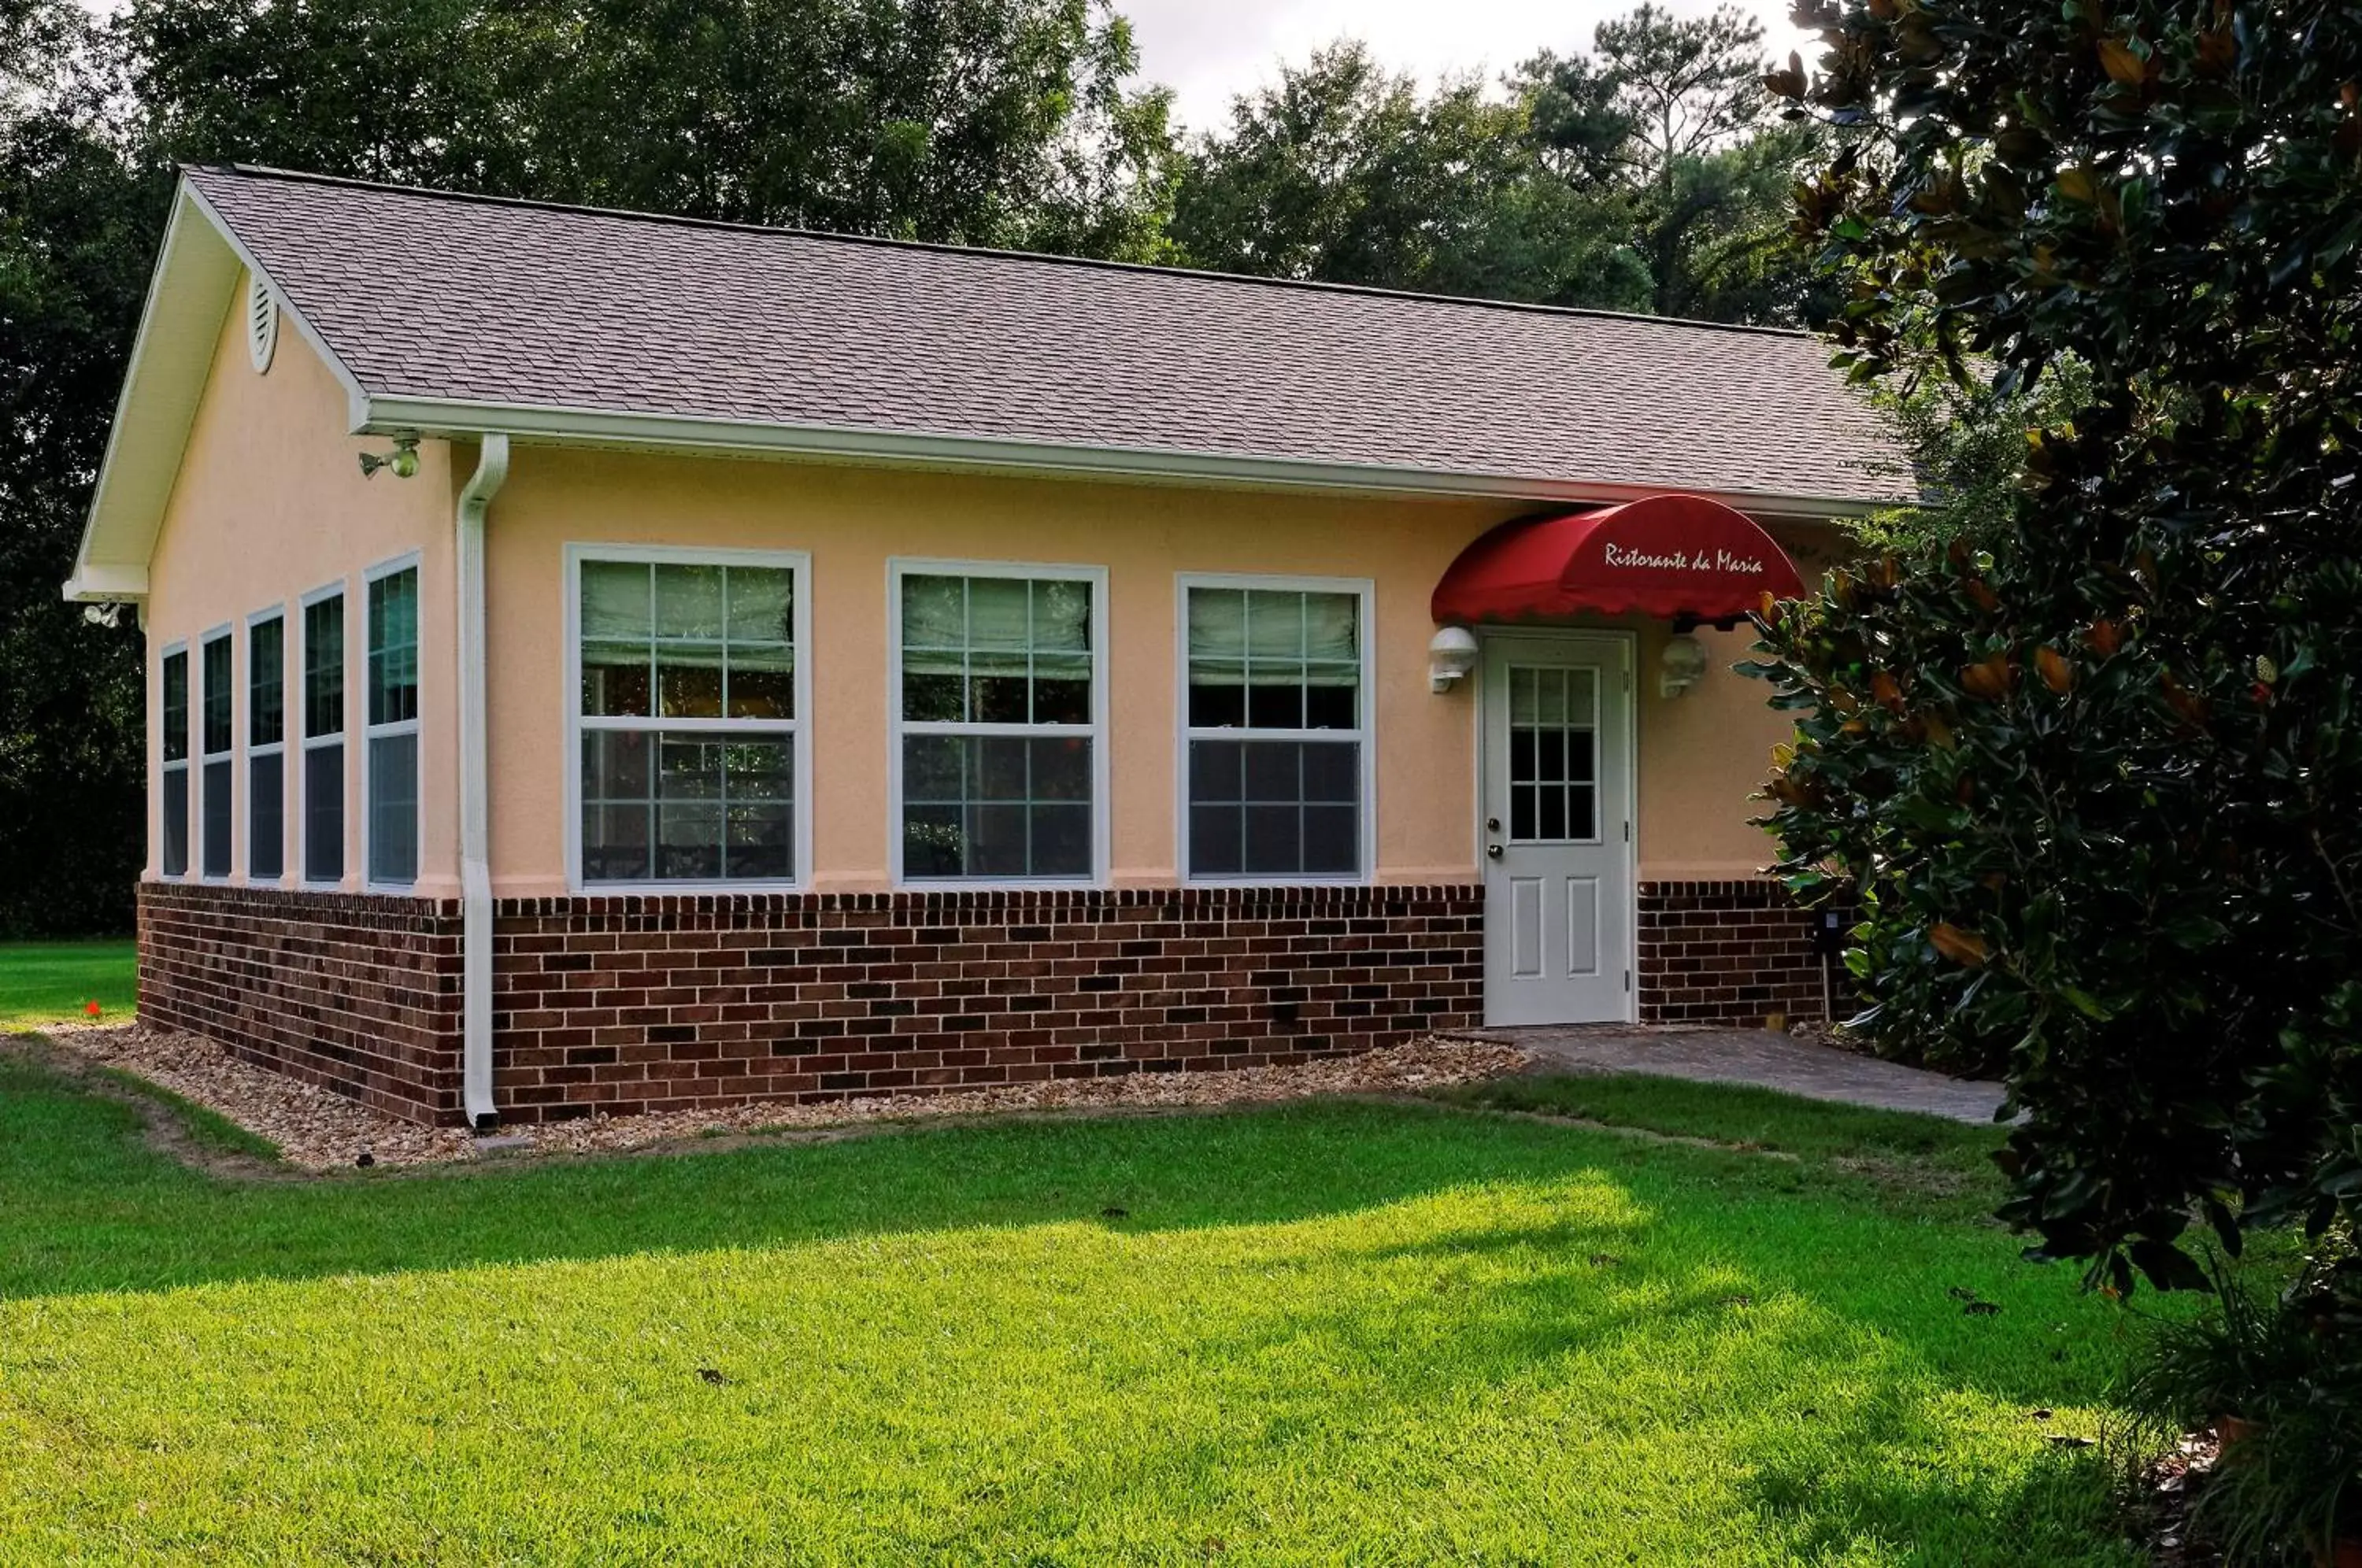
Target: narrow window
[998, 726]
[324, 739]
[174, 786]
[689, 721]
[1275, 733]
[266, 748]
[219, 706]
[392, 733]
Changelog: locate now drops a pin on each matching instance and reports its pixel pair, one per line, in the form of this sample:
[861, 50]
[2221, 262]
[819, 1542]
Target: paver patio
[1757, 1056]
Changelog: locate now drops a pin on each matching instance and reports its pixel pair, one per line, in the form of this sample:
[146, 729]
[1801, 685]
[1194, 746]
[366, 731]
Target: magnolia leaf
[1992, 678]
[1962, 947]
[2056, 672]
[2123, 64]
[2084, 1003]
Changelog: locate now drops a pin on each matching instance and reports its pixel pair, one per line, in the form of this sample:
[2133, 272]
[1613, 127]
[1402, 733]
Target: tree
[1344, 173]
[2098, 772]
[74, 238]
[1965, 453]
[1001, 122]
[992, 122]
[1669, 115]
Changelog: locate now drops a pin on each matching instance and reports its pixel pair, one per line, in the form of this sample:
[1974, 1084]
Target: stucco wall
[1701, 756]
[269, 505]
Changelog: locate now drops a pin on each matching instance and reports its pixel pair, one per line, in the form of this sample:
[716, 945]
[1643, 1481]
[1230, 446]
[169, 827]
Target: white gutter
[461, 418]
[475, 810]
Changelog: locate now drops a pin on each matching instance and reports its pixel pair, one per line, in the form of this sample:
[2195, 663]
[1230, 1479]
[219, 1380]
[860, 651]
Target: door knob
[1492, 825]
[1493, 851]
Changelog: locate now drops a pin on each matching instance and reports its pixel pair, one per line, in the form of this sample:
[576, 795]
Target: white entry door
[1558, 829]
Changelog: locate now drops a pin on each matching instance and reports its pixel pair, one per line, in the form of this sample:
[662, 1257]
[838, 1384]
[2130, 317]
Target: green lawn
[43, 982]
[1331, 1332]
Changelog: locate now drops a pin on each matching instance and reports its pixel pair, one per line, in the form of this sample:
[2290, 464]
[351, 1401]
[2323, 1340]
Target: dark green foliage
[997, 122]
[1666, 124]
[76, 233]
[988, 122]
[1344, 173]
[2098, 772]
[1640, 176]
[2272, 1371]
[1967, 452]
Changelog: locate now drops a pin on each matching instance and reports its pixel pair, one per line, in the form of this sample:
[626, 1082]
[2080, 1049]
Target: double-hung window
[1278, 737]
[999, 703]
[392, 733]
[218, 711]
[324, 737]
[689, 722]
[266, 747]
[172, 701]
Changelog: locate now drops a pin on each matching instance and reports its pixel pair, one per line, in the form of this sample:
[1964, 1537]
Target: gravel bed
[319, 1131]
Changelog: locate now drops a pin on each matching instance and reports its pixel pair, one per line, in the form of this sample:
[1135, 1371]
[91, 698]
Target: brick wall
[626, 1004]
[1730, 953]
[358, 993]
[629, 1004]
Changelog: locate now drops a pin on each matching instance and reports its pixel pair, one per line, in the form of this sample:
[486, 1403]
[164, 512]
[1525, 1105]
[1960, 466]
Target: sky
[1210, 50]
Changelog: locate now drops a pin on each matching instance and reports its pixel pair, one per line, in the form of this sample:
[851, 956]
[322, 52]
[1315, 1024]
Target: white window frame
[227, 632]
[298, 716]
[797, 561]
[1367, 733]
[279, 748]
[189, 859]
[901, 567]
[407, 562]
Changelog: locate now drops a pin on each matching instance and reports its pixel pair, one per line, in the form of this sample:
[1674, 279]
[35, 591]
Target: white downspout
[475, 810]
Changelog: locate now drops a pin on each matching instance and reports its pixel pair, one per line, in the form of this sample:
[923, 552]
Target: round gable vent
[261, 322]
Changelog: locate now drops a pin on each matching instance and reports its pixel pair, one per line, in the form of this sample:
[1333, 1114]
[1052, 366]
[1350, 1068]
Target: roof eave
[463, 418]
[190, 294]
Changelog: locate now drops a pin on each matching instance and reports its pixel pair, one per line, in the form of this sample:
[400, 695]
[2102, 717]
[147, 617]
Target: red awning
[1672, 556]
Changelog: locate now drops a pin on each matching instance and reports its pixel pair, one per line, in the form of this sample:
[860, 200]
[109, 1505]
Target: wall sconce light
[1683, 662]
[402, 459]
[1451, 655]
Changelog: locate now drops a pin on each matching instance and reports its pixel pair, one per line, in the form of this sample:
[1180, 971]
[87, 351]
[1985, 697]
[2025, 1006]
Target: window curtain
[990, 625]
[1277, 638]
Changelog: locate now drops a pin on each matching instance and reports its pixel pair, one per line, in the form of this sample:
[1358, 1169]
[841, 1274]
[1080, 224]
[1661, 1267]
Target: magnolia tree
[2096, 771]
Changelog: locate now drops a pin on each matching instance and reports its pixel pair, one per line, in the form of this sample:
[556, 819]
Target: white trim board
[800, 726]
[1365, 733]
[194, 290]
[414, 727]
[1102, 772]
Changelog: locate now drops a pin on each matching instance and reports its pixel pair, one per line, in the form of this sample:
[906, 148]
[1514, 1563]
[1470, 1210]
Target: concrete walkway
[1754, 1056]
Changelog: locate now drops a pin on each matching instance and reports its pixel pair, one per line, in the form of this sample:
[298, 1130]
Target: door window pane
[1554, 762]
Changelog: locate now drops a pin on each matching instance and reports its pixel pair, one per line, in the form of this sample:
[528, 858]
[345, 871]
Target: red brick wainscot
[1726, 953]
[626, 1004]
[359, 993]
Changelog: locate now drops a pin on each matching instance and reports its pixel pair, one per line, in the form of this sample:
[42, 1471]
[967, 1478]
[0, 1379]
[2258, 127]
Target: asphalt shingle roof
[428, 295]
